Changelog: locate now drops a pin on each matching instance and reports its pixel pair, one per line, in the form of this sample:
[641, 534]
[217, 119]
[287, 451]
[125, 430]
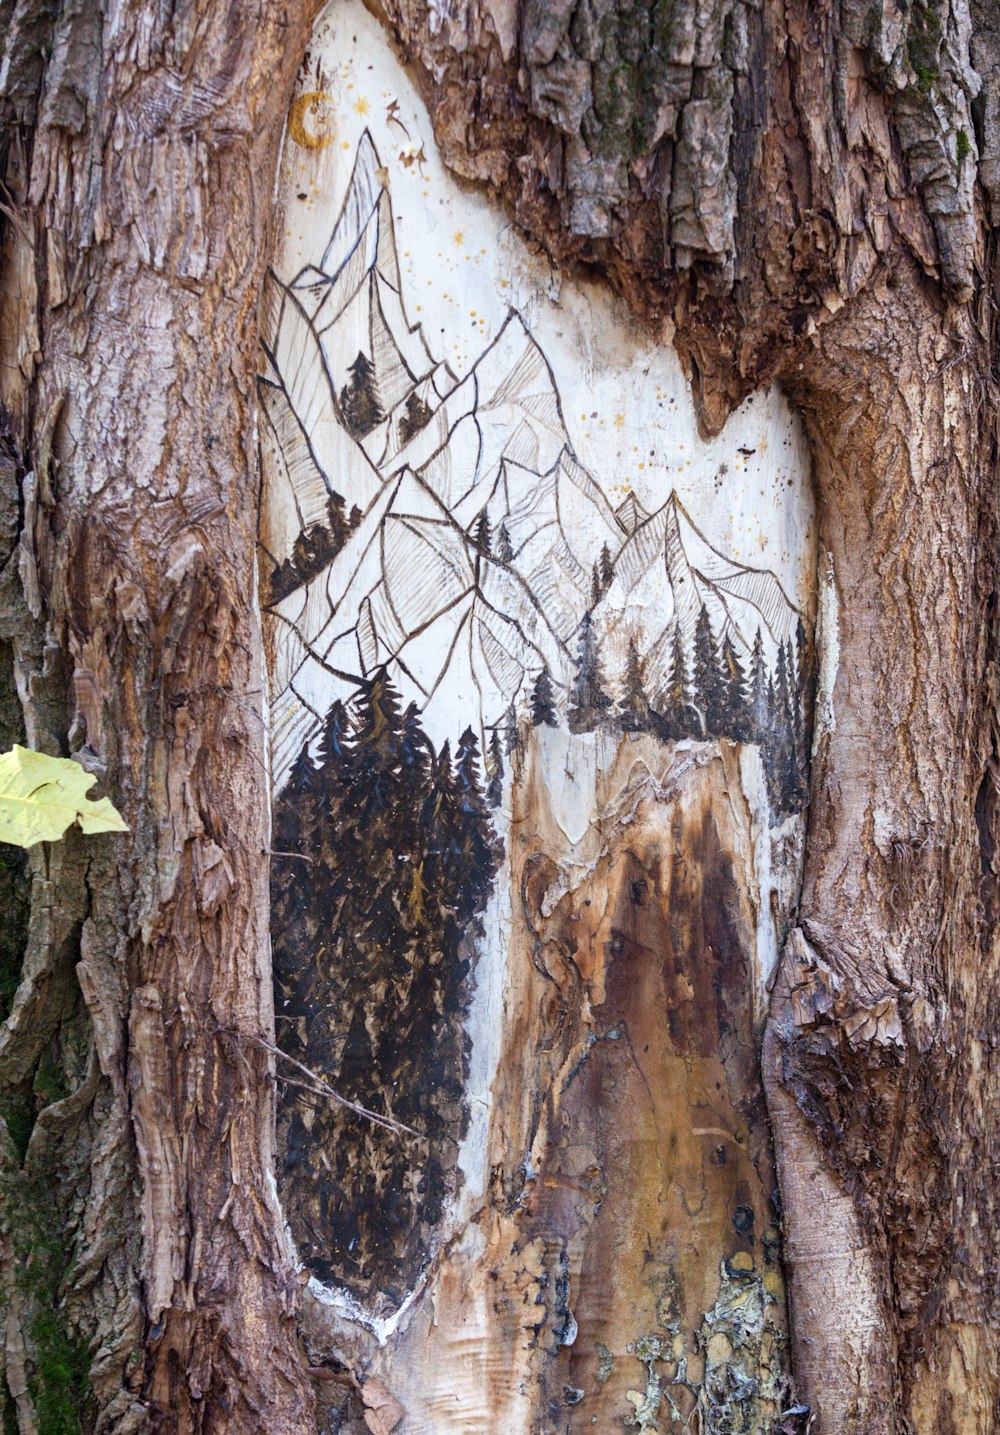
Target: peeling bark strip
[140, 163]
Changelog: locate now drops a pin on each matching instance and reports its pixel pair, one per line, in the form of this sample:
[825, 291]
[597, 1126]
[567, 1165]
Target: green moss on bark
[58, 1357]
[923, 42]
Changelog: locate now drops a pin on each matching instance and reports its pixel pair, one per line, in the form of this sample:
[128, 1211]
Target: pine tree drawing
[759, 702]
[589, 704]
[595, 587]
[778, 745]
[439, 823]
[416, 415]
[736, 723]
[359, 400]
[543, 702]
[709, 687]
[510, 738]
[334, 757]
[495, 770]
[633, 708]
[310, 551]
[377, 740]
[296, 819]
[505, 549]
[607, 568]
[284, 580]
[414, 756]
[677, 718]
[336, 519]
[479, 848]
[782, 706]
[483, 538]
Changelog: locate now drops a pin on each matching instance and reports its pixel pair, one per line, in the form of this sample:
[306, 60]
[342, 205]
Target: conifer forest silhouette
[376, 917]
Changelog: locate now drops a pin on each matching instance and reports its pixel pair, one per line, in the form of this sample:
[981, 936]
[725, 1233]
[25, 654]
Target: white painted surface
[477, 304]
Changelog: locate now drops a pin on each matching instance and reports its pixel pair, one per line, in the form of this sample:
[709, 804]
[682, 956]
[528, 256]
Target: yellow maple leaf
[40, 796]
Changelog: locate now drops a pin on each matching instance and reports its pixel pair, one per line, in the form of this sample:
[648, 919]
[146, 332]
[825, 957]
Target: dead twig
[320, 1087]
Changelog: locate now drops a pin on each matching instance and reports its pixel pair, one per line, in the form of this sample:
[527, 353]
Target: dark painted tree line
[375, 919]
[715, 696]
[361, 411]
[314, 548]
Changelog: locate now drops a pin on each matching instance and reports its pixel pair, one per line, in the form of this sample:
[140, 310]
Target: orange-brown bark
[146, 200]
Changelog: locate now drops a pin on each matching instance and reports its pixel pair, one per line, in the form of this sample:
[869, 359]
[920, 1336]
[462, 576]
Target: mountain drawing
[444, 530]
[440, 574]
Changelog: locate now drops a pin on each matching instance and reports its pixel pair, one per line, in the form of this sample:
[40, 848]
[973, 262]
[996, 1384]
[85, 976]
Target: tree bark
[134, 398]
[889, 978]
[792, 191]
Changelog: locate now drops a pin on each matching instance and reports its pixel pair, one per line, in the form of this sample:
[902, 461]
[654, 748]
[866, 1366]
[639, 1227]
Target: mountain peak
[474, 572]
[364, 190]
[630, 513]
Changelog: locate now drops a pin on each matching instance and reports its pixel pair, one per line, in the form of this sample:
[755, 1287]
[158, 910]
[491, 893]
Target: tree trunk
[146, 987]
[796, 192]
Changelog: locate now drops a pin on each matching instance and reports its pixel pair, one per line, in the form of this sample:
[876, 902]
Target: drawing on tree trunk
[527, 636]
[480, 559]
[545, 895]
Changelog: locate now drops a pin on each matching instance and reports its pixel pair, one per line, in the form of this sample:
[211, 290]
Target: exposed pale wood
[585, 1230]
[625, 1261]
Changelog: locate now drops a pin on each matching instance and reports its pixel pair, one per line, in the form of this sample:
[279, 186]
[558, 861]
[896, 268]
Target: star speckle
[361, 105]
[458, 238]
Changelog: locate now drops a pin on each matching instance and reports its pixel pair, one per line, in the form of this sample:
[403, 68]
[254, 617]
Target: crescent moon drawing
[318, 105]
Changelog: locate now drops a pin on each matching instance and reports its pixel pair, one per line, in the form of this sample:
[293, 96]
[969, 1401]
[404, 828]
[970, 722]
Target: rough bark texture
[883, 1027]
[795, 190]
[141, 157]
[739, 168]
